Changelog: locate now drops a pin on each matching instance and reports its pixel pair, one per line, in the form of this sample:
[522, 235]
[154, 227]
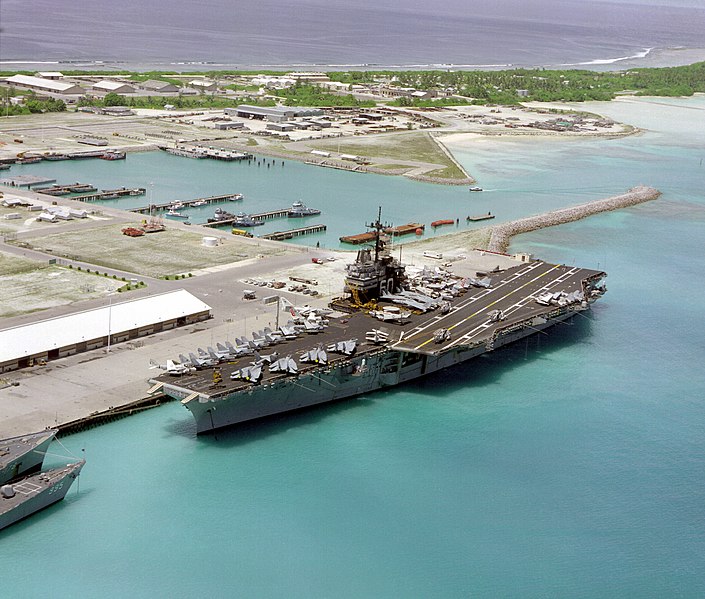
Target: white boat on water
[175, 214]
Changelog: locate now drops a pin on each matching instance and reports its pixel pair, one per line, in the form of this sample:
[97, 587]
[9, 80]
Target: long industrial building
[275, 114]
[63, 336]
[44, 85]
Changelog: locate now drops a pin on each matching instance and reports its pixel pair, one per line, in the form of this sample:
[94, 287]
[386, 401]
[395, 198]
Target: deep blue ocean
[568, 465]
[183, 34]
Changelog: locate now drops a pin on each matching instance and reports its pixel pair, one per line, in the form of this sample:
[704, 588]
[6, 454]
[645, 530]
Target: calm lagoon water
[568, 465]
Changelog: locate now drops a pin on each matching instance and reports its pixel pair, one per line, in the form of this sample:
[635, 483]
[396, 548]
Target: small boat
[245, 220]
[220, 215]
[199, 203]
[299, 210]
[175, 206]
[26, 496]
[175, 214]
[476, 189]
[113, 156]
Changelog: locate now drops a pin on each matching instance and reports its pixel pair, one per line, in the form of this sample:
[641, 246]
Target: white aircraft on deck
[173, 367]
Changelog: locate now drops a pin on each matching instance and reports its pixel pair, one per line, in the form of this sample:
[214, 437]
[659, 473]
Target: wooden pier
[361, 238]
[407, 229]
[228, 197]
[110, 194]
[271, 214]
[480, 217]
[282, 235]
[63, 190]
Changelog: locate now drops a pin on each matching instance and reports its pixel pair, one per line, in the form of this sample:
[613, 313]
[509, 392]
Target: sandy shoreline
[657, 57]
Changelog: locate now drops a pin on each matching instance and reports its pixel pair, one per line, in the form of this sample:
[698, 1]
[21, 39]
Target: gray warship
[24, 454]
[28, 495]
[389, 333]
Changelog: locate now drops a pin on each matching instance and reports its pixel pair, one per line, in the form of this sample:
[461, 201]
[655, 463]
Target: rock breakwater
[502, 234]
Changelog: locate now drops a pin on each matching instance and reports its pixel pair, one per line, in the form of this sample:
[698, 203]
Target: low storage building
[117, 87]
[63, 336]
[44, 85]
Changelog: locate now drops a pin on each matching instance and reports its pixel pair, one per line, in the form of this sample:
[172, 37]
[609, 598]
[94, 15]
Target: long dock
[360, 238]
[281, 235]
[110, 194]
[227, 197]
[406, 229]
[479, 217]
[258, 216]
[63, 190]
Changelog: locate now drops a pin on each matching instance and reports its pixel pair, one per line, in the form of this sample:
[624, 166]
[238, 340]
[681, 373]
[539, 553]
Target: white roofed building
[91, 329]
[44, 85]
[117, 87]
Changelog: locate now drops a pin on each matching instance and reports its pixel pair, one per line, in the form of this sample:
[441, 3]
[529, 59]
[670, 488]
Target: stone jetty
[502, 234]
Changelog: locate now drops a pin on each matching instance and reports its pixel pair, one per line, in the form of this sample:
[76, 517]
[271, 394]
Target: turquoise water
[347, 200]
[568, 465]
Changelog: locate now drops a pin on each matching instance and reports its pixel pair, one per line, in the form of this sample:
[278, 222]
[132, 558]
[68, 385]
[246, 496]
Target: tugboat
[299, 210]
[221, 215]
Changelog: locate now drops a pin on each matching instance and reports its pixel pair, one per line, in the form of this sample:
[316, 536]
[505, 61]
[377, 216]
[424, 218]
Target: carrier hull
[361, 374]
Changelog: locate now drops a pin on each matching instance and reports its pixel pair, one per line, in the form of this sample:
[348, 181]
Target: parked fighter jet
[173, 368]
[376, 336]
[198, 363]
[343, 347]
[315, 356]
[251, 374]
[285, 365]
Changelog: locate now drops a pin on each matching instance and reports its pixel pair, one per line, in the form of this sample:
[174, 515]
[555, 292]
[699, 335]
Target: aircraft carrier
[323, 359]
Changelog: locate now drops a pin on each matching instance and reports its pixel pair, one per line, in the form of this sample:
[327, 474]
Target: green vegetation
[13, 265]
[311, 95]
[180, 101]
[32, 103]
[500, 87]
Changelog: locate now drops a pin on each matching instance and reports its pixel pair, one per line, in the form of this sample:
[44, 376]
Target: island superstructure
[393, 333]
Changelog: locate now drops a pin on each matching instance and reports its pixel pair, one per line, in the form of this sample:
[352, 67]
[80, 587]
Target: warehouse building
[63, 336]
[162, 87]
[204, 85]
[44, 85]
[274, 114]
[117, 87]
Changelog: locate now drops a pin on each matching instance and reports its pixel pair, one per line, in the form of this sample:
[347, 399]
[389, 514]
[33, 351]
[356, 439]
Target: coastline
[87, 389]
[654, 58]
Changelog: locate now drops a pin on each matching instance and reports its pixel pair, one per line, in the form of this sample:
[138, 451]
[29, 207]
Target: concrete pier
[228, 197]
[291, 233]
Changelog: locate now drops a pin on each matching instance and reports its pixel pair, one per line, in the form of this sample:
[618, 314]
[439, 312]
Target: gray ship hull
[37, 492]
[354, 376]
[23, 455]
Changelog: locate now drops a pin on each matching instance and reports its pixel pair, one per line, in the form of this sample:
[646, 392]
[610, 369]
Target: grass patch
[14, 265]
[450, 172]
[45, 287]
[155, 255]
[415, 147]
[393, 167]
